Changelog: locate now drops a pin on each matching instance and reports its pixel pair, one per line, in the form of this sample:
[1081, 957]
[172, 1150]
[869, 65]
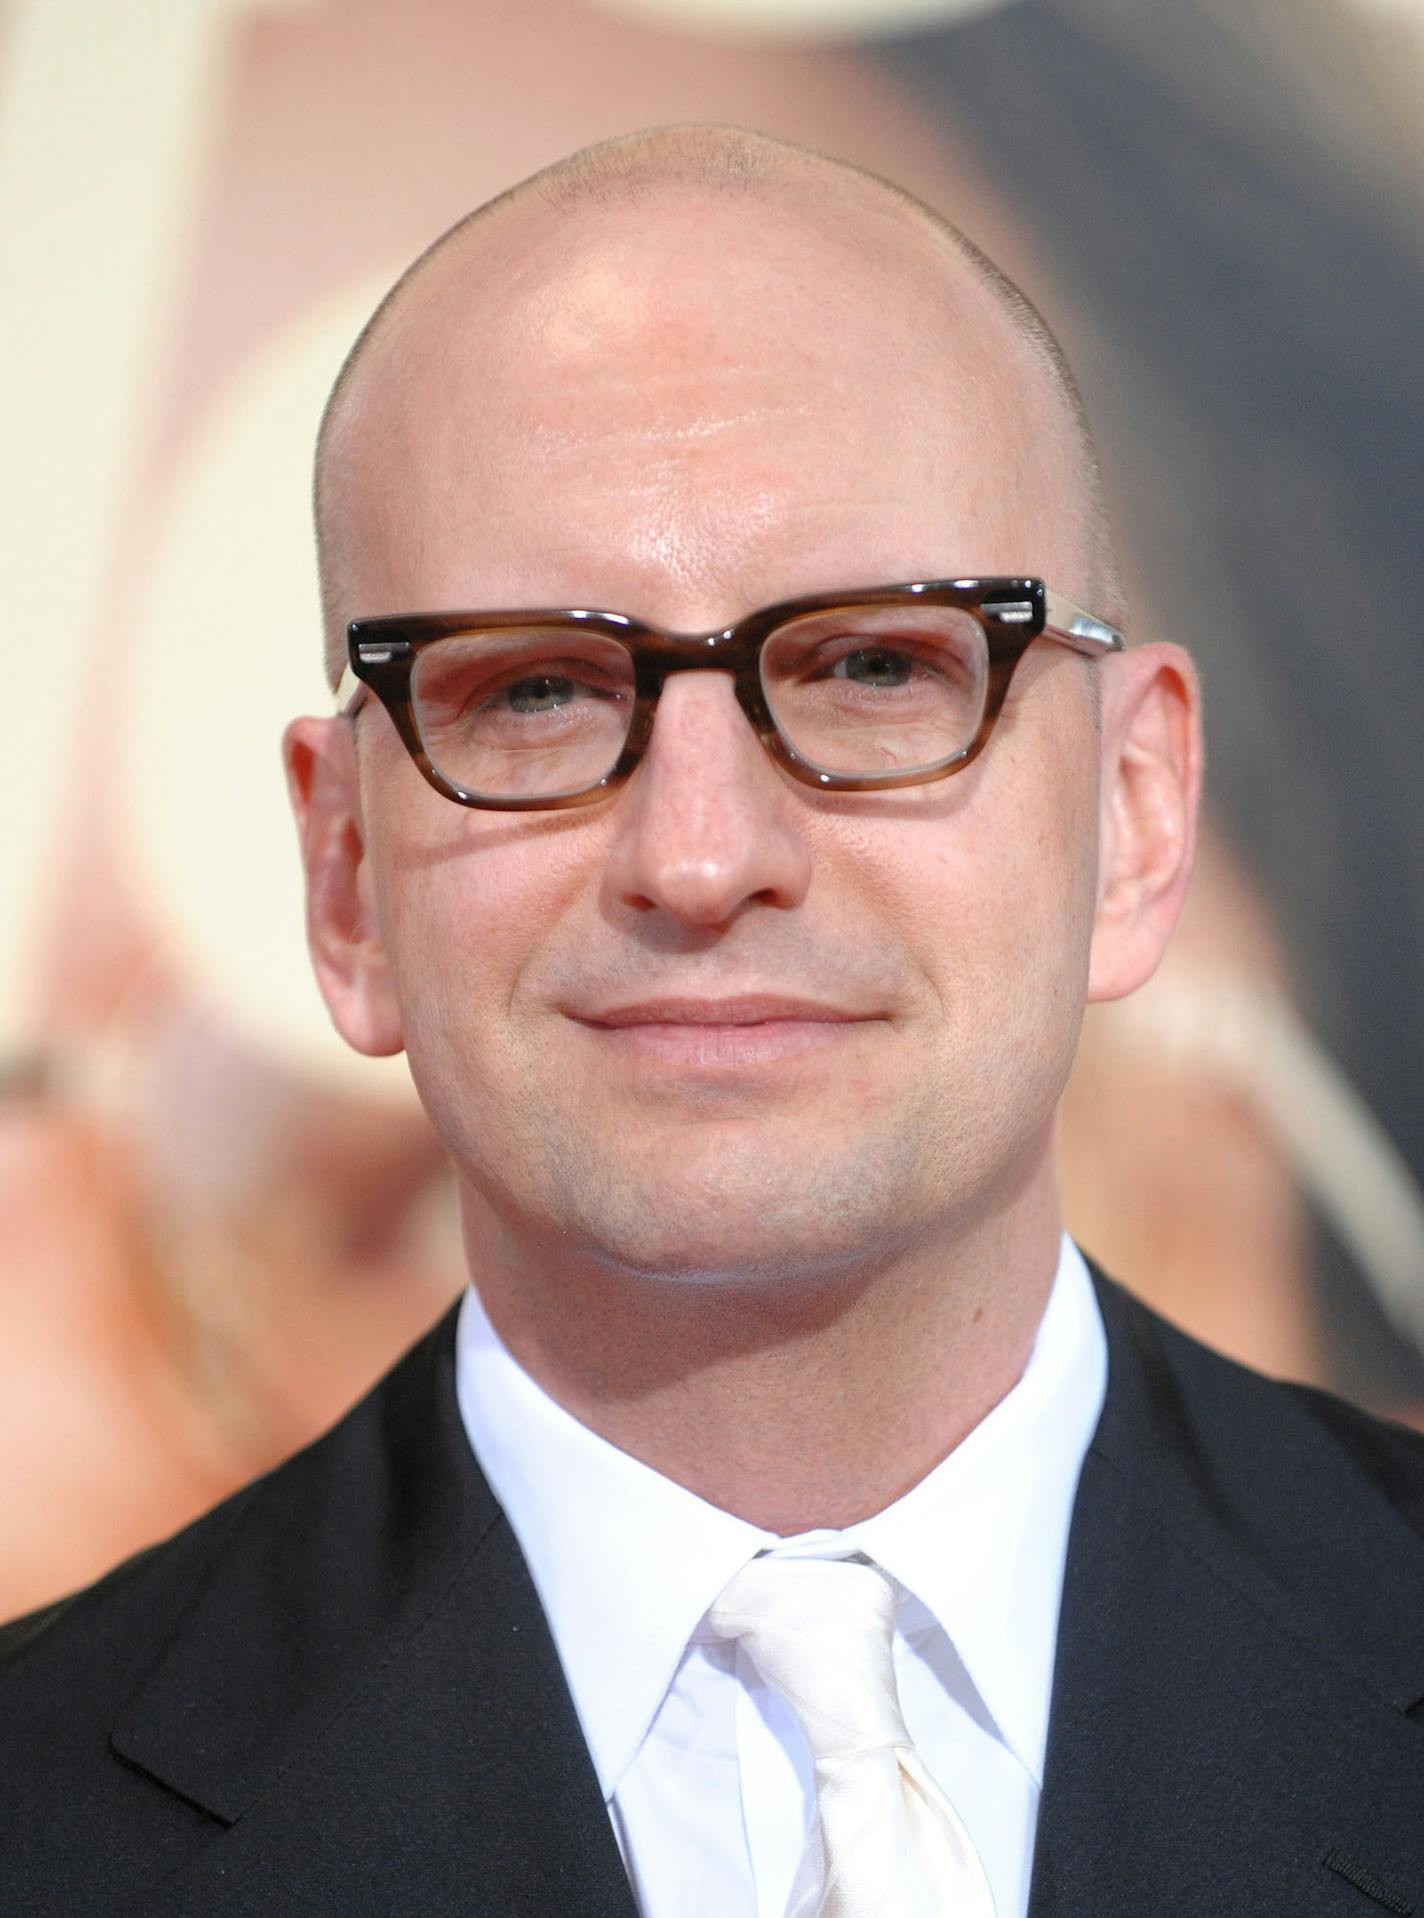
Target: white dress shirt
[707, 1779]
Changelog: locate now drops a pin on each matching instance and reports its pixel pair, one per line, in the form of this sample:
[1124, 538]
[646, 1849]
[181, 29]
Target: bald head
[702, 306]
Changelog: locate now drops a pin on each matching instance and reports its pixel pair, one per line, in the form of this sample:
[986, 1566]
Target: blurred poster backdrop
[216, 1228]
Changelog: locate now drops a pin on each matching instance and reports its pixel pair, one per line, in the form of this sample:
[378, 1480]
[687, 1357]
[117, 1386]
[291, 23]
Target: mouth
[739, 1031]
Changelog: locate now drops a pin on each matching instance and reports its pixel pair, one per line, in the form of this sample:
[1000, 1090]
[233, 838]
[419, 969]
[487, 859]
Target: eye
[541, 692]
[874, 666]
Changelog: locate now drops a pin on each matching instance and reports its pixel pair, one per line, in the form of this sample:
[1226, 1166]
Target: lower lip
[712, 1048]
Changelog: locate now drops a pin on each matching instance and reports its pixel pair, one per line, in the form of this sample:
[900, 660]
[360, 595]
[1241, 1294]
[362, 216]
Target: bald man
[738, 787]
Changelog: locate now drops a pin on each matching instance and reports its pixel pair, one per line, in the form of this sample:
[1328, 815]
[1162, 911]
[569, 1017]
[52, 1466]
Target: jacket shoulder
[65, 1673]
[1308, 1503]
[122, 1618]
[298, 1569]
[1228, 1410]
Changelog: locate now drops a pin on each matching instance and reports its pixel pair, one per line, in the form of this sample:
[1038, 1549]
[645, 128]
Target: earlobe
[343, 934]
[1151, 785]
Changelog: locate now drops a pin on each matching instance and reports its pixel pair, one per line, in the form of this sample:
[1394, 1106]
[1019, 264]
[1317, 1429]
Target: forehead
[688, 404]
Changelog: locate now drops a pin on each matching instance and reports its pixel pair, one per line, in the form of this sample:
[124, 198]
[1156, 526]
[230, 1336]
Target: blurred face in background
[717, 1025]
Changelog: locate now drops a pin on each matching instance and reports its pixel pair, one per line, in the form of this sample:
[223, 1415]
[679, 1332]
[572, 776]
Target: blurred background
[216, 1228]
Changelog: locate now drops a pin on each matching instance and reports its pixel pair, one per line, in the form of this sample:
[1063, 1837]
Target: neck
[795, 1407]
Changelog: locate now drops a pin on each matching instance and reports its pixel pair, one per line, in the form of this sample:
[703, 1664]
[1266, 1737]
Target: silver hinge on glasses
[1011, 612]
[378, 652]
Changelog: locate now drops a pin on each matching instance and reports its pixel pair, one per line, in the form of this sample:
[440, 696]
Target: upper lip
[742, 1009]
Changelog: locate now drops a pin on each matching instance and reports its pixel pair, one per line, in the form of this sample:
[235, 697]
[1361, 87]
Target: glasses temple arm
[350, 692]
[1084, 631]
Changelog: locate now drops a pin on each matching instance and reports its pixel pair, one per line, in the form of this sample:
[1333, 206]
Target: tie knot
[820, 1632]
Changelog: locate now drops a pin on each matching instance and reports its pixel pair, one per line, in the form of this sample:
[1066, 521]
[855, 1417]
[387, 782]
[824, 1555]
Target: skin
[788, 1263]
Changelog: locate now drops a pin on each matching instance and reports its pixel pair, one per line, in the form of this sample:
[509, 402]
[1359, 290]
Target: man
[737, 792]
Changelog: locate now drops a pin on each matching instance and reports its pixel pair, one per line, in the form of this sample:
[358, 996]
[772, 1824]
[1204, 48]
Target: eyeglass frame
[1012, 612]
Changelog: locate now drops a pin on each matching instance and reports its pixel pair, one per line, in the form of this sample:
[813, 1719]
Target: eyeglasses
[856, 691]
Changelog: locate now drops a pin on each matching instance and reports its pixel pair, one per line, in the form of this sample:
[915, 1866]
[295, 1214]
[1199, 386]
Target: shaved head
[534, 250]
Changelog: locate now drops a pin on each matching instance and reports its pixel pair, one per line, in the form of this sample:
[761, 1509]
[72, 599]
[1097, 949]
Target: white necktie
[887, 1842]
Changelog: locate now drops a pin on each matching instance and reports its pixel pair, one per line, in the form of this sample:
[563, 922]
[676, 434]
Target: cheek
[993, 899]
[466, 901]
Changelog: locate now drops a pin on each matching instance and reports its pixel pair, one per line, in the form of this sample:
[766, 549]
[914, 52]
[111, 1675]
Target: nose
[707, 825]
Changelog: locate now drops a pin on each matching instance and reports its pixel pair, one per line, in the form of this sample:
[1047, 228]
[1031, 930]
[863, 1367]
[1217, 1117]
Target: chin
[725, 1260]
[742, 1220]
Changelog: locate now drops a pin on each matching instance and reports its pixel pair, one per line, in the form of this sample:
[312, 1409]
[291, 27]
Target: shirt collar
[626, 1562]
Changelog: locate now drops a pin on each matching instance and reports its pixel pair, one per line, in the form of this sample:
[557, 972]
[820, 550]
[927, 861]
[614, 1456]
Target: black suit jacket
[336, 1695]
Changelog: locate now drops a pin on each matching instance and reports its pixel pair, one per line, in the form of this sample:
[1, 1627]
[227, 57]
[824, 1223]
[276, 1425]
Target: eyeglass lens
[541, 712]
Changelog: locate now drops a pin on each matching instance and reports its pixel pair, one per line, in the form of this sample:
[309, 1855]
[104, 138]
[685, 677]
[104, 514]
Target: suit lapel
[1229, 1730]
[366, 1697]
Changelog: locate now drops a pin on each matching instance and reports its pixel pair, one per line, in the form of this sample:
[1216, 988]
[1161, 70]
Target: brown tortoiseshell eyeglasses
[856, 691]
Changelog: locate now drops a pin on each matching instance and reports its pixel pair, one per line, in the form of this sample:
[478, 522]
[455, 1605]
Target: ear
[1151, 784]
[343, 932]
